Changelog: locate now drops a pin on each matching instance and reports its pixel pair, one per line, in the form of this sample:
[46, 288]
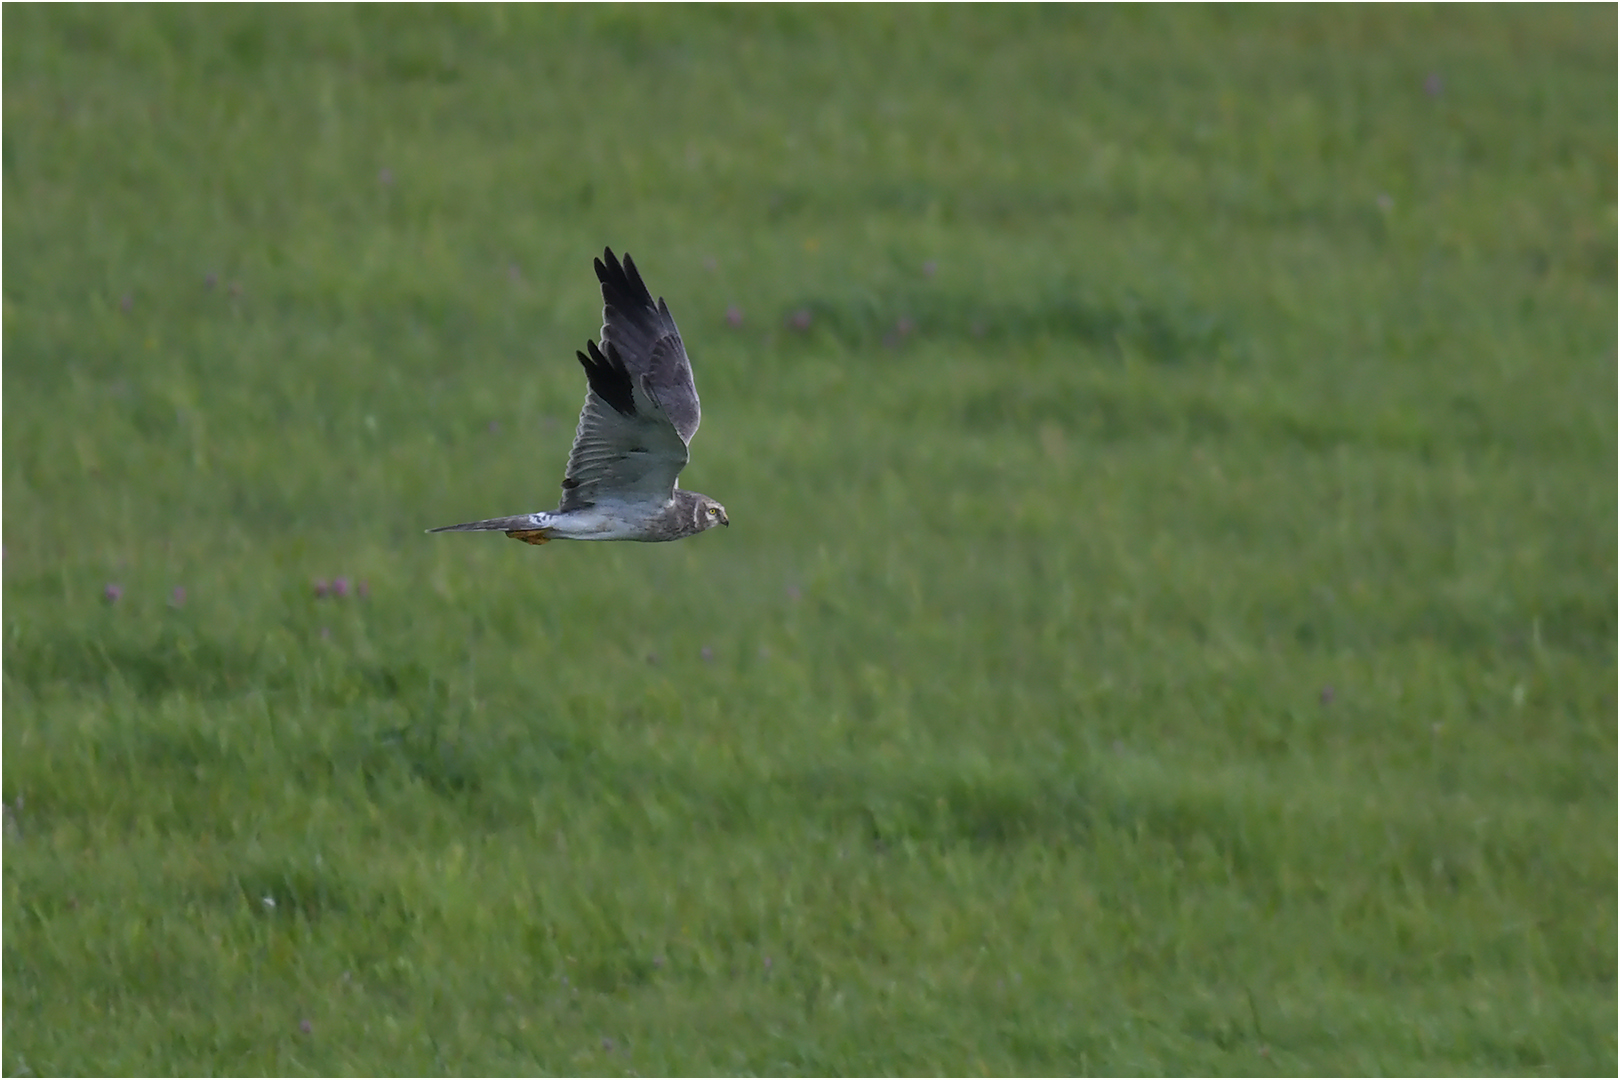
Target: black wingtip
[609, 378]
[621, 281]
[609, 271]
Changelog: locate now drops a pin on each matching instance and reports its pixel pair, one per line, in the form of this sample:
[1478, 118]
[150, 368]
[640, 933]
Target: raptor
[641, 411]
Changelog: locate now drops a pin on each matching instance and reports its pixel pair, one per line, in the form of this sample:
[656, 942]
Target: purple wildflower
[112, 593]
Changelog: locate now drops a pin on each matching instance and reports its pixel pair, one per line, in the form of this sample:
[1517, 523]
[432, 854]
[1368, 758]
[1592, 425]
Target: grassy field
[1167, 623]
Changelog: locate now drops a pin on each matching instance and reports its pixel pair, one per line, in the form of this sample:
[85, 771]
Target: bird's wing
[644, 333]
[625, 447]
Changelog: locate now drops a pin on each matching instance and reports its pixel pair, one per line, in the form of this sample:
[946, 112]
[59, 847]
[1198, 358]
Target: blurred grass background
[1168, 623]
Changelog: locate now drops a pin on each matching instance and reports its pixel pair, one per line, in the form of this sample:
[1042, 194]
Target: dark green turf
[1167, 623]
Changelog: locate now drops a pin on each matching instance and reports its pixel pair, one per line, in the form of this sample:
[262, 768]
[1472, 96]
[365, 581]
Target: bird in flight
[640, 414]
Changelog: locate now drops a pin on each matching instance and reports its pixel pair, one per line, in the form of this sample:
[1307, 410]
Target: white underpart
[609, 519]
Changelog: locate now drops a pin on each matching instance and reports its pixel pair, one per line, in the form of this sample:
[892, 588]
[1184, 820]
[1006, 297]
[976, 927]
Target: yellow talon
[529, 536]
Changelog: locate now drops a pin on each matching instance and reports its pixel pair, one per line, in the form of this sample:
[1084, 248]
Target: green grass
[1189, 649]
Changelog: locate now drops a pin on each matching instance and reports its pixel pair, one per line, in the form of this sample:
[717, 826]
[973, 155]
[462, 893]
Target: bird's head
[711, 513]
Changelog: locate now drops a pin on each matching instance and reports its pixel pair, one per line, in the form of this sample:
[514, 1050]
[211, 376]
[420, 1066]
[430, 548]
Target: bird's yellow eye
[714, 511]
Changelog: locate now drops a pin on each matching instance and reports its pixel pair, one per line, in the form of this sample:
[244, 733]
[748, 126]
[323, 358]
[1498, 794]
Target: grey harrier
[640, 414]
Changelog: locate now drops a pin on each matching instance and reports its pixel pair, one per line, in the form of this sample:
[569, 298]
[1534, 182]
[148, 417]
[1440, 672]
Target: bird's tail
[522, 527]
